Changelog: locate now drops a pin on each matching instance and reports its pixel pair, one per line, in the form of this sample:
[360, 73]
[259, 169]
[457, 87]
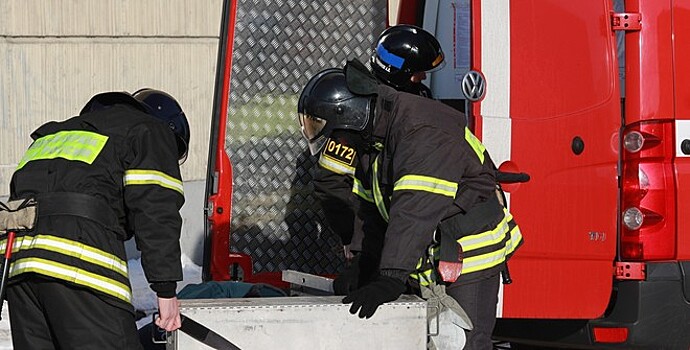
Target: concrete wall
[56, 54]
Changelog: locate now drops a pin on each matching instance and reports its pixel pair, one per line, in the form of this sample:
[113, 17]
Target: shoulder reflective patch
[152, 177]
[339, 153]
[82, 146]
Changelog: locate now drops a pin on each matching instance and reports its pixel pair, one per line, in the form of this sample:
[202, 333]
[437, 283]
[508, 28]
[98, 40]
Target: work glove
[368, 298]
[361, 270]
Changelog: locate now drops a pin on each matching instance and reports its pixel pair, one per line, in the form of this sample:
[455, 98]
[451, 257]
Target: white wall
[56, 54]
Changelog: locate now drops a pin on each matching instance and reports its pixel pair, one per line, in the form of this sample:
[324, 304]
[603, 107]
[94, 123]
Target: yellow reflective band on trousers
[475, 144]
[359, 190]
[335, 166]
[152, 177]
[82, 146]
[70, 248]
[71, 274]
[426, 183]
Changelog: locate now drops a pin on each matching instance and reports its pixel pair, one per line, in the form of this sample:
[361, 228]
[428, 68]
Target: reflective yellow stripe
[82, 146]
[475, 144]
[484, 261]
[71, 274]
[152, 177]
[487, 238]
[491, 259]
[360, 191]
[515, 239]
[69, 248]
[427, 184]
[378, 197]
[335, 166]
[424, 278]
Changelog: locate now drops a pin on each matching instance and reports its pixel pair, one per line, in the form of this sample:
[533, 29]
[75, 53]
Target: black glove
[362, 269]
[368, 298]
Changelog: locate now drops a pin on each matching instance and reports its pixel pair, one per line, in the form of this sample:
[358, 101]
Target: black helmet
[327, 104]
[104, 100]
[164, 107]
[403, 50]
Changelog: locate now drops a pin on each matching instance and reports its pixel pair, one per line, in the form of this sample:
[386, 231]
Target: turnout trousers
[478, 299]
[47, 314]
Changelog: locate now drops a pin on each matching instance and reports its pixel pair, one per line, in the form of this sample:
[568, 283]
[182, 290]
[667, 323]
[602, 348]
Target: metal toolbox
[305, 322]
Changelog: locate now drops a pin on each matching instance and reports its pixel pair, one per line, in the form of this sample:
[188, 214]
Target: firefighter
[402, 56]
[99, 178]
[426, 188]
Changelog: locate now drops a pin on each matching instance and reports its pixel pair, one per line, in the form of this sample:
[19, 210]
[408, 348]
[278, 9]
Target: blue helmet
[402, 51]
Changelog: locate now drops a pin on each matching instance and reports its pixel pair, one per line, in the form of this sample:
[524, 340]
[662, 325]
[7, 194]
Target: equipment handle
[6, 267]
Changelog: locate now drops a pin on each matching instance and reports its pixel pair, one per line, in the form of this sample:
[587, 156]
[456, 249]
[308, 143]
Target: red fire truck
[591, 99]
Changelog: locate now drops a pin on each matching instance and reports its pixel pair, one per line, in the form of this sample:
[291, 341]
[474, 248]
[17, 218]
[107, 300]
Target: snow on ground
[143, 297]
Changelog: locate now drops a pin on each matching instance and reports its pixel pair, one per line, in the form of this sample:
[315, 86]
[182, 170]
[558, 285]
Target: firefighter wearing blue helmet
[100, 178]
[402, 56]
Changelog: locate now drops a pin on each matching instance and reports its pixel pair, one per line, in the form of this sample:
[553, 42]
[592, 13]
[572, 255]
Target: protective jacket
[429, 169]
[333, 179]
[100, 178]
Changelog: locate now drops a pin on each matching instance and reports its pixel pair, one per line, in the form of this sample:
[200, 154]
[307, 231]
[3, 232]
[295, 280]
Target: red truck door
[552, 110]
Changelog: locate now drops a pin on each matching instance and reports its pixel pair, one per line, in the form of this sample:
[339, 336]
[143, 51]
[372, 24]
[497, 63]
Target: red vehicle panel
[563, 120]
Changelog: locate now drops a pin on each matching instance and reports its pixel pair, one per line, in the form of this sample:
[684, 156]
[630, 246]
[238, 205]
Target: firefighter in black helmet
[402, 56]
[427, 197]
[99, 178]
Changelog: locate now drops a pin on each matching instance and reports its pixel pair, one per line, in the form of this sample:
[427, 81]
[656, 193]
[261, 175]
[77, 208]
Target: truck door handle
[510, 177]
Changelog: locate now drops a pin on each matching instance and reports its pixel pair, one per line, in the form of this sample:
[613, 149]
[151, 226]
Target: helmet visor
[437, 64]
[312, 127]
[313, 131]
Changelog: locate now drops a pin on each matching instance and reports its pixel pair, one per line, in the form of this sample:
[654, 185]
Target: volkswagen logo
[473, 86]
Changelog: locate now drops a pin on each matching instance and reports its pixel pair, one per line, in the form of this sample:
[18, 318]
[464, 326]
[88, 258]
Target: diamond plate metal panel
[278, 46]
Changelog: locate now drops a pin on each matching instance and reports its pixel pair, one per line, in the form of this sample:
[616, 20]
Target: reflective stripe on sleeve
[71, 274]
[82, 146]
[427, 184]
[335, 166]
[152, 177]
